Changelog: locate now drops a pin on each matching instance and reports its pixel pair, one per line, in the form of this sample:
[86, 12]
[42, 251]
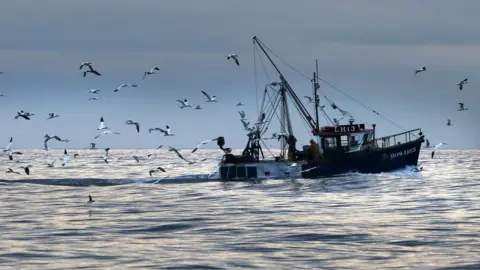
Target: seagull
[420, 70]
[52, 115]
[461, 83]
[310, 99]
[278, 136]
[171, 149]
[2, 95]
[11, 153]
[102, 124]
[209, 99]
[92, 146]
[152, 71]
[76, 155]
[105, 156]
[136, 158]
[240, 104]
[94, 91]
[47, 138]
[242, 115]
[184, 103]
[65, 157]
[166, 132]
[437, 147]
[203, 143]
[90, 199]
[234, 57]
[449, 122]
[137, 125]
[124, 85]
[26, 169]
[93, 98]
[91, 70]
[197, 107]
[157, 169]
[88, 64]
[9, 170]
[160, 146]
[106, 132]
[23, 115]
[461, 107]
[50, 165]
[245, 125]
[9, 145]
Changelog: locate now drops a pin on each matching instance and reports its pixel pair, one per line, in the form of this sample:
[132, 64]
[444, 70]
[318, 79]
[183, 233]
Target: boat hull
[367, 161]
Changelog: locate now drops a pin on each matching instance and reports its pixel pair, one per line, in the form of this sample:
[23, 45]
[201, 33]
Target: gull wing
[205, 93]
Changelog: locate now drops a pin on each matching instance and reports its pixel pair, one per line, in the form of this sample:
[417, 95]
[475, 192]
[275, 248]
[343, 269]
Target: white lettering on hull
[403, 153]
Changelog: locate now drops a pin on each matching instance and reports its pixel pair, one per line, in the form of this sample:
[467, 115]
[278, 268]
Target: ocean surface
[398, 220]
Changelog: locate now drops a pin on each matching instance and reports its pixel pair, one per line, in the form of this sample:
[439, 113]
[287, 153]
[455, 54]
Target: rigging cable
[255, 74]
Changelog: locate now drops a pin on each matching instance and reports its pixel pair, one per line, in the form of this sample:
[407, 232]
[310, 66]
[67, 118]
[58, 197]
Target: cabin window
[344, 140]
[354, 140]
[330, 143]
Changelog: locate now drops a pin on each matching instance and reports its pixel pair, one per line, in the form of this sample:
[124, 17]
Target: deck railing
[395, 139]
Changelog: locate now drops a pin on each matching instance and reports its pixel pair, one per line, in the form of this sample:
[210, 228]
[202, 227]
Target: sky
[368, 49]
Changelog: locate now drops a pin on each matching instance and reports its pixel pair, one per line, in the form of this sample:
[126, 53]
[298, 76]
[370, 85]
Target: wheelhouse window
[330, 143]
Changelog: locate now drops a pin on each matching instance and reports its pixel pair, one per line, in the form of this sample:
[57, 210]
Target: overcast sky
[368, 49]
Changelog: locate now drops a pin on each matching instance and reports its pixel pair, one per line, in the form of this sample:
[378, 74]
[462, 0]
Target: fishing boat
[341, 148]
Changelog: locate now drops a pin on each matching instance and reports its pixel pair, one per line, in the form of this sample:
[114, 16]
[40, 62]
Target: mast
[316, 85]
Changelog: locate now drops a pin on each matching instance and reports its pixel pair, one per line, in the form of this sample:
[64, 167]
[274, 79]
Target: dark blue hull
[367, 161]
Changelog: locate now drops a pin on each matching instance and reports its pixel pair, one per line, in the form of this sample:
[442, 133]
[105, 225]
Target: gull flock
[87, 68]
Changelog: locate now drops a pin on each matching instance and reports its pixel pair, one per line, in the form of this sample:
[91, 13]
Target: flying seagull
[137, 125]
[166, 132]
[102, 124]
[157, 169]
[171, 149]
[91, 70]
[11, 153]
[2, 95]
[310, 99]
[152, 71]
[240, 104]
[51, 165]
[449, 122]
[461, 83]
[437, 147]
[65, 157]
[52, 115]
[90, 199]
[461, 107]
[48, 138]
[26, 169]
[92, 146]
[93, 98]
[209, 99]
[124, 85]
[197, 107]
[203, 143]
[9, 145]
[184, 103]
[242, 115]
[94, 91]
[105, 156]
[420, 70]
[23, 115]
[136, 158]
[234, 57]
[106, 132]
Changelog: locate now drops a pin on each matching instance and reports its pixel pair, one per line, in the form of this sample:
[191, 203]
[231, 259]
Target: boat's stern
[258, 170]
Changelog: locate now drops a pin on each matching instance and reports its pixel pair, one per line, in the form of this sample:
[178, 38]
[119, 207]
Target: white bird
[171, 149]
[240, 104]
[94, 91]
[449, 122]
[197, 107]
[234, 57]
[420, 70]
[310, 99]
[9, 145]
[209, 99]
[23, 115]
[437, 147]
[93, 98]
[105, 156]
[166, 132]
[137, 125]
[461, 107]
[157, 169]
[418, 168]
[124, 85]
[102, 124]
[152, 71]
[184, 103]
[106, 132]
[52, 115]
[48, 138]
[51, 165]
[203, 143]
[65, 157]
[9, 170]
[461, 83]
